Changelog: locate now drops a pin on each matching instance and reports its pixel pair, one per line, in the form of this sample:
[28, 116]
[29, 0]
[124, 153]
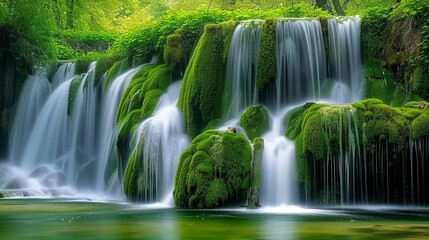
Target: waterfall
[34, 94]
[301, 67]
[278, 184]
[62, 138]
[304, 73]
[240, 81]
[345, 58]
[160, 141]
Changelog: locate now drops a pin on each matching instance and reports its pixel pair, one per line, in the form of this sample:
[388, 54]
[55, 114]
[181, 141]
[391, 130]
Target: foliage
[214, 170]
[27, 36]
[73, 44]
[374, 29]
[140, 44]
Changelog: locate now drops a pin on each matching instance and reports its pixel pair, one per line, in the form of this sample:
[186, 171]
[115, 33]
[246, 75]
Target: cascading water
[160, 141]
[61, 150]
[34, 94]
[278, 183]
[345, 58]
[240, 81]
[302, 75]
[301, 67]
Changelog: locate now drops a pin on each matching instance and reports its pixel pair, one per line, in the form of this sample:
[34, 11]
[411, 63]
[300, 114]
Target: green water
[73, 219]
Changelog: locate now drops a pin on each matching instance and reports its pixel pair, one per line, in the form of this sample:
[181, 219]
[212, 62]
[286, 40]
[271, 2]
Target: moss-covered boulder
[213, 171]
[255, 121]
[202, 88]
[173, 54]
[326, 129]
[420, 126]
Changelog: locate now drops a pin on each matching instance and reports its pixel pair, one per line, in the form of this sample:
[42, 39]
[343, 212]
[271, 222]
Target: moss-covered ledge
[139, 101]
[213, 171]
[200, 97]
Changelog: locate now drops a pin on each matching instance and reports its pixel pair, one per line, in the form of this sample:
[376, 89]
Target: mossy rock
[200, 97]
[267, 54]
[293, 121]
[149, 103]
[255, 121]
[420, 126]
[104, 63]
[173, 54]
[150, 77]
[138, 103]
[113, 72]
[323, 127]
[213, 171]
[74, 87]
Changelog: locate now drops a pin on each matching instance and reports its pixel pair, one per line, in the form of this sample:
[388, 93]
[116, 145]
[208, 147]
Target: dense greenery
[213, 171]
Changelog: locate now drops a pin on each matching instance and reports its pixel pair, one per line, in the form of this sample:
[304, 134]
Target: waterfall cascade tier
[59, 150]
[160, 141]
[311, 66]
[240, 81]
[345, 58]
[301, 67]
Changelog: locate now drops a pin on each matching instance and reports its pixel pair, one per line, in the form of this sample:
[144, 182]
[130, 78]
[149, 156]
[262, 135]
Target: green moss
[255, 121]
[213, 171]
[83, 62]
[267, 54]
[323, 127]
[203, 83]
[420, 82]
[74, 87]
[314, 139]
[149, 103]
[131, 177]
[113, 72]
[150, 77]
[1, 195]
[173, 53]
[104, 63]
[293, 121]
[378, 82]
[420, 126]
